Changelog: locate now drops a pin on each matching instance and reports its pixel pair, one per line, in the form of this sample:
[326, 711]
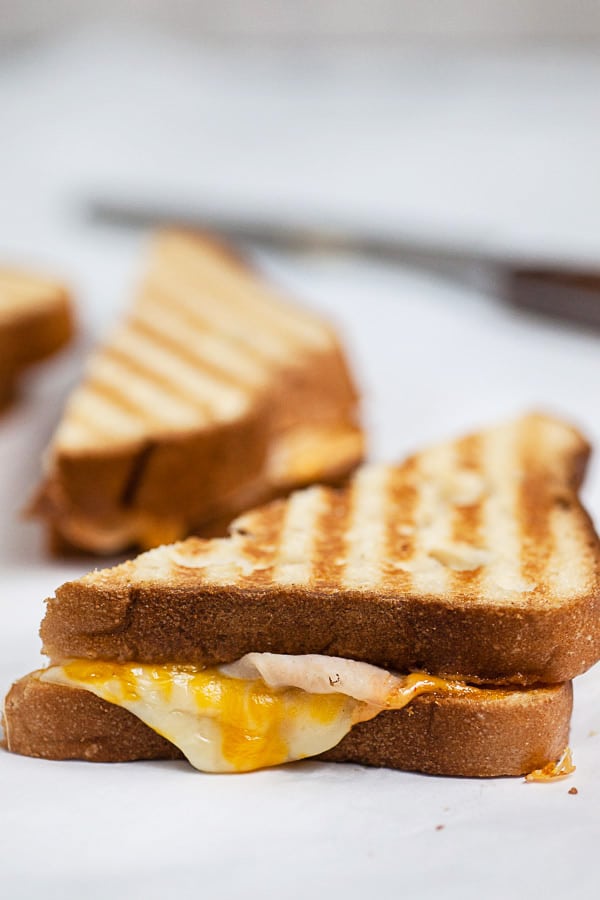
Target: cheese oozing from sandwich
[263, 710]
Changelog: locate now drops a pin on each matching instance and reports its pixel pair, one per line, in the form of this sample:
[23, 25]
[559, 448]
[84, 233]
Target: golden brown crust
[181, 474]
[53, 722]
[169, 503]
[297, 424]
[37, 331]
[211, 626]
[504, 733]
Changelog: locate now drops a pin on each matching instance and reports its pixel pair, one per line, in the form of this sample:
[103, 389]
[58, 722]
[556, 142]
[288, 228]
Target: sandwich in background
[427, 616]
[213, 395]
[35, 321]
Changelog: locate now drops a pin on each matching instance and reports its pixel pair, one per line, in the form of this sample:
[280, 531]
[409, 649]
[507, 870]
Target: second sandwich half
[214, 394]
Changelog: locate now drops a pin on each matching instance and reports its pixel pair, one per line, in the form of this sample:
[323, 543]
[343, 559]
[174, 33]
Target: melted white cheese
[263, 710]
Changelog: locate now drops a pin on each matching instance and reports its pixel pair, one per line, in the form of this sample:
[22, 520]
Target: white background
[293, 19]
[497, 149]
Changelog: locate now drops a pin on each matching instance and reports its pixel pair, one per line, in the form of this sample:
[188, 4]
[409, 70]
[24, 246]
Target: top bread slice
[473, 559]
[213, 395]
[35, 321]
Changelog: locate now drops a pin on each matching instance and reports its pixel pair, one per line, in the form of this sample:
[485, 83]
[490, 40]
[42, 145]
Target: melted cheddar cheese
[264, 710]
[553, 771]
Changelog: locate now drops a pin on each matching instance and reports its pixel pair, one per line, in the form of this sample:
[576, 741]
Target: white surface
[433, 359]
[495, 149]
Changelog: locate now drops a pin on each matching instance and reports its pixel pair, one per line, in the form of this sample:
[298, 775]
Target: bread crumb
[573, 790]
[592, 733]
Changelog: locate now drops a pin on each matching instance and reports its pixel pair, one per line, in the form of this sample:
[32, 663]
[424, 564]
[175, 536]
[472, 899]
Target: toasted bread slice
[213, 395]
[509, 732]
[35, 321]
[472, 560]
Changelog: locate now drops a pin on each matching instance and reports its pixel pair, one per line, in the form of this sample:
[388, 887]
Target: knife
[564, 290]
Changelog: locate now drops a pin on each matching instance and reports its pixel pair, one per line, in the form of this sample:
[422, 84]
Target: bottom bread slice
[501, 732]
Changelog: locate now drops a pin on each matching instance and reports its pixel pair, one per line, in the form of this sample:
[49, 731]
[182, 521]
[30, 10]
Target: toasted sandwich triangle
[212, 395]
[473, 559]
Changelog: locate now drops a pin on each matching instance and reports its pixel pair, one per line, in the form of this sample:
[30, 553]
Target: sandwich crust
[35, 321]
[474, 560]
[212, 396]
[502, 733]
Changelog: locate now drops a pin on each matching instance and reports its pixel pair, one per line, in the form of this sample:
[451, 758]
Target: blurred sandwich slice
[214, 394]
[35, 321]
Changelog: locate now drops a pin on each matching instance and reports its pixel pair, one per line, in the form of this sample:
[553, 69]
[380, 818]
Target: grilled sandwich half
[35, 321]
[427, 616]
[213, 395]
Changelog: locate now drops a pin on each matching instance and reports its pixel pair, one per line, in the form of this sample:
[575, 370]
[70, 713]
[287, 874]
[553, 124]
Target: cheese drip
[553, 771]
[263, 710]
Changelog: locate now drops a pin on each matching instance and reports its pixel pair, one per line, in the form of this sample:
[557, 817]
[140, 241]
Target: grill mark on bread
[124, 381]
[466, 515]
[329, 547]
[534, 507]
[145, 371]
[240, 327]
[242, 290]
[96, 415]
[189, 308]
[400, 522]
[189, 354]
[261, 549]
[122, 401]
[466, 524]
[153, 361]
